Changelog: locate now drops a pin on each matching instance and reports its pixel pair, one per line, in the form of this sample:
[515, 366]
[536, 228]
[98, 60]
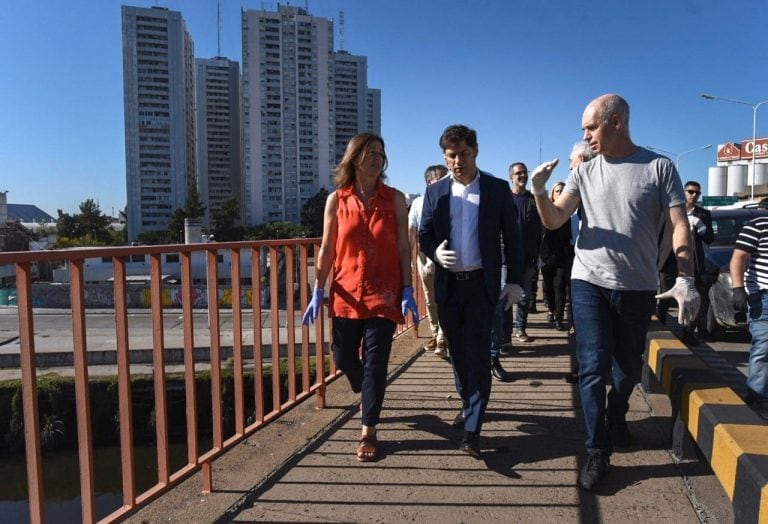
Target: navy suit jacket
[496, 222]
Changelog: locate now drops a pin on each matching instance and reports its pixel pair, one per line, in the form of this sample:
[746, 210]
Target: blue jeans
[611, 326]
[529, 282]
[368, 375]
[757, 378]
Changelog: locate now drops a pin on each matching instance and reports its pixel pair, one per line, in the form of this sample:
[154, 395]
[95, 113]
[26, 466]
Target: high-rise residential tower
[373, 110]
[158, 85]
[287, 111]
[219, 136]
[350, 81]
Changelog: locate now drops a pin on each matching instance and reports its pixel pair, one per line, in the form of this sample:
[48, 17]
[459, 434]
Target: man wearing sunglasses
[700, 220]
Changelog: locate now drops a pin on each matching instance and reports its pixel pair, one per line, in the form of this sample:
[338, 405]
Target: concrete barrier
[711, 420]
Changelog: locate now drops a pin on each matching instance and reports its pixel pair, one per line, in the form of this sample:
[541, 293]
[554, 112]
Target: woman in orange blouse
[365, 240]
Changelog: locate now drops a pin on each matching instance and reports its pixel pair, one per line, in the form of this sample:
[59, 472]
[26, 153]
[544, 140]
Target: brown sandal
[368, 449]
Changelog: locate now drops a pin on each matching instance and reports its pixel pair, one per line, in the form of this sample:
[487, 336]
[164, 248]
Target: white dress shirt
[465, 206]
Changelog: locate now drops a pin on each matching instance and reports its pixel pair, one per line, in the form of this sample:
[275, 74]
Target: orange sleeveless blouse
[367, 281]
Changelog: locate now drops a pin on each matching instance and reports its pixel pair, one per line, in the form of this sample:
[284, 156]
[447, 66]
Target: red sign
[729, 151]
[760, 149]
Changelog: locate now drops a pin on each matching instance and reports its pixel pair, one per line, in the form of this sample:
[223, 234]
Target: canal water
[62, 482]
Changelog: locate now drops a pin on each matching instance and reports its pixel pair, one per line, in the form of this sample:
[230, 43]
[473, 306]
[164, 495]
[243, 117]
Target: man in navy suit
[464, 218]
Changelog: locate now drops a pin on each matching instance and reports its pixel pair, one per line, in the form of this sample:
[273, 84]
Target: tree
[67, 225]
[225, 222]
[193, 206]
[94, 223]
[312, 213]
[176, 226]
[90, 227]
[150, 238]
[277, 231]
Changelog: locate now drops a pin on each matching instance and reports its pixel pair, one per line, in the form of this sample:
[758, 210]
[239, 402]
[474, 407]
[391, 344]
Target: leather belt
[466, 275]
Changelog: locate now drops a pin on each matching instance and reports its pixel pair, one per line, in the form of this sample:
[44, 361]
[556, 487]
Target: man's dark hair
[434, 169]
[692, 183]
[763, 204]
[512, 166]
[456, 134]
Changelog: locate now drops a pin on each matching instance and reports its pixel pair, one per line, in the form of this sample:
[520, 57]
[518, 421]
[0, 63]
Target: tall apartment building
[350, 81]
[219, 136]
[158, 85]
[373, 110]
[287, 111]
[301, 104]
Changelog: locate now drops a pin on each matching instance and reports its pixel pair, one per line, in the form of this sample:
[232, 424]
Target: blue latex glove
[313, 309]
[409, 304]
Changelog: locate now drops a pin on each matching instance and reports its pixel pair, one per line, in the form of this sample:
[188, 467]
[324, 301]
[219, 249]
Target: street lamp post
[754, 127]
[678, 156]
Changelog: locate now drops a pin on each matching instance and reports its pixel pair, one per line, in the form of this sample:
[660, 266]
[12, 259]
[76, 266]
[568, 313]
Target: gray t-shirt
[623, 202]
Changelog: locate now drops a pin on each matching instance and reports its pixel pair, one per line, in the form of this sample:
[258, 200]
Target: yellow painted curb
[729, 442]
[657, 344]
[696, 395]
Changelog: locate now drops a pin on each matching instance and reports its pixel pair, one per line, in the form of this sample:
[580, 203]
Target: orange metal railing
[299, 347]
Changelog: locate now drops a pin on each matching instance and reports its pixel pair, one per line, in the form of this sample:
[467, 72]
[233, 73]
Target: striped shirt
[753, 239]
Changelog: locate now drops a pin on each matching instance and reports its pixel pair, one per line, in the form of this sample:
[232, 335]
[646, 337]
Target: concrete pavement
[302, 468]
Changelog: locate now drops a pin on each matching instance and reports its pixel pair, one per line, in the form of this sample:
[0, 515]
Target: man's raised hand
[540, 175]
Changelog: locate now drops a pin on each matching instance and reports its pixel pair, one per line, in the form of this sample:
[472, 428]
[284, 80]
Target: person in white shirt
[426, 267]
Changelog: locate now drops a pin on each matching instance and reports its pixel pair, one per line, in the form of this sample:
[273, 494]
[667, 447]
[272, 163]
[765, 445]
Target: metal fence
[281, 267]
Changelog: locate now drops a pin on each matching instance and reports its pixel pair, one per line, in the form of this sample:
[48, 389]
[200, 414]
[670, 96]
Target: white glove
[511, 293]
[445, 256]
[540, 176]
[687, 298]
[697, 224]
[428, 267]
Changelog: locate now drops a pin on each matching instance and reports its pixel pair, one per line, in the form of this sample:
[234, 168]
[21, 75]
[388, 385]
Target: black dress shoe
[470, 444]
[458, 421]
[497, 371]
[550, 317]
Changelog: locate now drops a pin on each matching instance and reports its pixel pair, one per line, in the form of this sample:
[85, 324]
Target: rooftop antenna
[341, 30]
[539, 149]
[218, 28]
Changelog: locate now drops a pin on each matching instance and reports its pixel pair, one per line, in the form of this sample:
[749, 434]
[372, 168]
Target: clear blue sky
[518, 71]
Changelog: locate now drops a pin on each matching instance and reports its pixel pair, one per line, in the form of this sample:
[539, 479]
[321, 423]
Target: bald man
[624, 193]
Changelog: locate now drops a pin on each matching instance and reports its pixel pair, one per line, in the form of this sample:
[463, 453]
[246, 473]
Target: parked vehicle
[727, 224]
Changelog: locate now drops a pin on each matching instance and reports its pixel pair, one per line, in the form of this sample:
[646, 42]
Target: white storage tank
[717, 181]
[193, 231]
[761, 174]
[737, 179]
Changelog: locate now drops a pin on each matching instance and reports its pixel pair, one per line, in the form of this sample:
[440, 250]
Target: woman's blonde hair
[552, 193]
[355, 153]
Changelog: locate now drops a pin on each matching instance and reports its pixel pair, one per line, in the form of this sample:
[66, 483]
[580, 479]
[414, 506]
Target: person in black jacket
[556, 255]
[700, 221]
[529, 224]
